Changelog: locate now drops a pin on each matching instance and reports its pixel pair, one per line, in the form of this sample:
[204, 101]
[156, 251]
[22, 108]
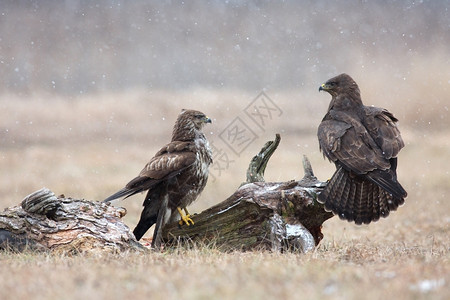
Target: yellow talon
[185, 218]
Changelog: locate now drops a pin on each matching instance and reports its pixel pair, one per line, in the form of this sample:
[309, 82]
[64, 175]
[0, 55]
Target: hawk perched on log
[174, 177]
[363, 142]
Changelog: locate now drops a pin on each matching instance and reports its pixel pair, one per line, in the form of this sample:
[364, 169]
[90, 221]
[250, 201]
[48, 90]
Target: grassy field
[91, 146]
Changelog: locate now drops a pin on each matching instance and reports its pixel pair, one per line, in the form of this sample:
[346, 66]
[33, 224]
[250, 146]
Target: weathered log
[279, 216]
[46, 222]
[257, 166]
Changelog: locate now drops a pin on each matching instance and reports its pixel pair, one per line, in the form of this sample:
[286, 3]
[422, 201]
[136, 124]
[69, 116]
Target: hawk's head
[340, 84]
[189, 124]
[195, 117]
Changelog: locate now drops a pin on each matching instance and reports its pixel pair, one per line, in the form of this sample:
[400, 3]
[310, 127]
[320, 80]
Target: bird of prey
[174, 177]
[363, 142]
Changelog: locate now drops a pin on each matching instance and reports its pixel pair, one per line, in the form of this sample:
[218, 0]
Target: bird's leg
[186, 212]
[185, 218]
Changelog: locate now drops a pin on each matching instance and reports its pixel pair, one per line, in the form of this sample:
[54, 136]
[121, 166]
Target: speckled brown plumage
[363, 142]
[175, 176]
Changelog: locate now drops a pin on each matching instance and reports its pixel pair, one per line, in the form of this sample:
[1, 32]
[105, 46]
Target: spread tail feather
[388, 181]
[358, 199]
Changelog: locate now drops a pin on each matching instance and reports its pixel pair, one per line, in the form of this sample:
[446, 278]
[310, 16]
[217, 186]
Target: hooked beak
[322, 87]
[207, 120]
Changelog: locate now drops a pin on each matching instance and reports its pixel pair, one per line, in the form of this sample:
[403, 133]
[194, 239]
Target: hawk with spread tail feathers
[174, 177]
[363, 142]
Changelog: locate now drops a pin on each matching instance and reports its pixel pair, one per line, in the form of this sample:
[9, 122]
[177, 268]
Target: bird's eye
[333, 83]
[200, 116]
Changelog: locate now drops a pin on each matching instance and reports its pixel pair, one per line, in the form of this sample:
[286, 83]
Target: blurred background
[90, 90]
[76, 47]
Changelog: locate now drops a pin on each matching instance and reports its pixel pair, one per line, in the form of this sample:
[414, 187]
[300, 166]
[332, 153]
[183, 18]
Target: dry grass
[90, 147]
[347, 271]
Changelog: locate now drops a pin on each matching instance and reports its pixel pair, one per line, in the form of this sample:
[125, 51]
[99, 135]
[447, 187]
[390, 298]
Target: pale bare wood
[46, 222]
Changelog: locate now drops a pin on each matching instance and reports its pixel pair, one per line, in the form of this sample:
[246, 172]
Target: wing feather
[382, 126]
[349, 143]
[169, 161]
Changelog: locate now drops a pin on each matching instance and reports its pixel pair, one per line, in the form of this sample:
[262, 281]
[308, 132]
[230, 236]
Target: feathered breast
[188, 185]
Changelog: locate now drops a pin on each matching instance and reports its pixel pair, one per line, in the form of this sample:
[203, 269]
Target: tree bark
[46, 222]
[279, 216]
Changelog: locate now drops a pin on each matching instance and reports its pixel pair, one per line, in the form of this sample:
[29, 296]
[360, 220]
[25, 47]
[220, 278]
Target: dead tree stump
[278, 216]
